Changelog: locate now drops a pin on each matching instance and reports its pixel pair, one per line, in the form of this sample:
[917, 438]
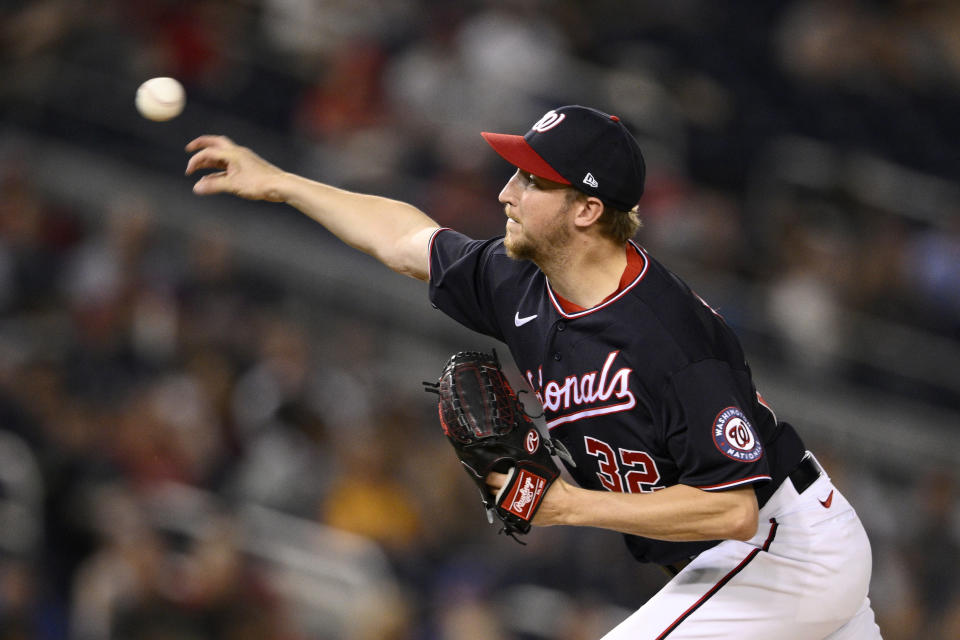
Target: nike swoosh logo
[826, 503]
[517, 320]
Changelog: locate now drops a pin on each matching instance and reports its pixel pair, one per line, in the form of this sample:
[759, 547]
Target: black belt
[804, 475]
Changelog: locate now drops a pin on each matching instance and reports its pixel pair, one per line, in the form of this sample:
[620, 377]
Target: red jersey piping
[433, 236]
[640, 269]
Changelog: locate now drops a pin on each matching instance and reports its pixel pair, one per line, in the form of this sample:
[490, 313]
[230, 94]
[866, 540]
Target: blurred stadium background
[211, 420]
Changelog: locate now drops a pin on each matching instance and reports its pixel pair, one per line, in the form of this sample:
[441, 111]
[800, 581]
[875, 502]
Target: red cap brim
[518, 152]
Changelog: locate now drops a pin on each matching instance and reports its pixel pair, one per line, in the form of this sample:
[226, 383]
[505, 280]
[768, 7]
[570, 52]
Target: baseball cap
[587, 149]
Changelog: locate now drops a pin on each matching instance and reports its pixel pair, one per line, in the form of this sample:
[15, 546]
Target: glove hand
[490, 433]
[551, 507]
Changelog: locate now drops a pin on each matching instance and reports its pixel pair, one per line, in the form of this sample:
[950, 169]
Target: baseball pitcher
[649, 401]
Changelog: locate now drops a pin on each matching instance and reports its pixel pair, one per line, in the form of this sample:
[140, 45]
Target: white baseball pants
[804, 576]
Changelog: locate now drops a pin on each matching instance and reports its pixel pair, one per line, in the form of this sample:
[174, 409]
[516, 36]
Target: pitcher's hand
[552, 509]
[241, 172]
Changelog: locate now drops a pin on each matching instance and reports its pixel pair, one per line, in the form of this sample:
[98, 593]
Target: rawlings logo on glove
[489, 430]
[525, 498]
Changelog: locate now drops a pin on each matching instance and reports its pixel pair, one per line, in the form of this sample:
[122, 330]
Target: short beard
[541, 250]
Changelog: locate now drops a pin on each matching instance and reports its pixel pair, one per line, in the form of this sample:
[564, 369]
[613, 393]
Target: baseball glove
[489, 430]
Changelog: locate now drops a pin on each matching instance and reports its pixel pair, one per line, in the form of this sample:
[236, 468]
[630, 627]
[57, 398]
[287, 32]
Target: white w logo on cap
[549, 120]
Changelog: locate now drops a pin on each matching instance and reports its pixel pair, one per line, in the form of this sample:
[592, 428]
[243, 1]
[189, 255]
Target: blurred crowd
[807, 147]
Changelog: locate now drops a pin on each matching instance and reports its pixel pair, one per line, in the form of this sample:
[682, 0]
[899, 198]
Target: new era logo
[590, 180]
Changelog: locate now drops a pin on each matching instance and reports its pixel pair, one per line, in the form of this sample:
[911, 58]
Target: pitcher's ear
[588, 211]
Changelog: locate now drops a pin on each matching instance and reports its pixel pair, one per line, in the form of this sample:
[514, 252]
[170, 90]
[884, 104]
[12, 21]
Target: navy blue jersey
[647, 390]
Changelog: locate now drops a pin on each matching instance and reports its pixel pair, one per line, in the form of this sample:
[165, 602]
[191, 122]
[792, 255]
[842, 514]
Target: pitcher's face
[537, 216]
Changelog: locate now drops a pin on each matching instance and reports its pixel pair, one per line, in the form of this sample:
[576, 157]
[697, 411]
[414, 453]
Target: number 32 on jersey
[625, 470]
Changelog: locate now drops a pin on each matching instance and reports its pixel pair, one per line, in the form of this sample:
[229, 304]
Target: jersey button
[561, 326]
[556, 356]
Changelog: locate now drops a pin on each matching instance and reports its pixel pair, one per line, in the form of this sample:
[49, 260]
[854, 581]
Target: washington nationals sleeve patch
[735, 437]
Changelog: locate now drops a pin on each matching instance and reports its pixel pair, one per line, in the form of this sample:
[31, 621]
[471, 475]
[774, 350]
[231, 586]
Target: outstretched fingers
[237, 170]
[209, 152]
[211, 183]
[204, 141]
[209, 158]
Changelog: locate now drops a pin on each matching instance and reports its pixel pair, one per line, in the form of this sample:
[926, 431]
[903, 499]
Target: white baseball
[161, 99]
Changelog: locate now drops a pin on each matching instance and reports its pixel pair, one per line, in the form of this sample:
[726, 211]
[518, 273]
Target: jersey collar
[636, 268]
